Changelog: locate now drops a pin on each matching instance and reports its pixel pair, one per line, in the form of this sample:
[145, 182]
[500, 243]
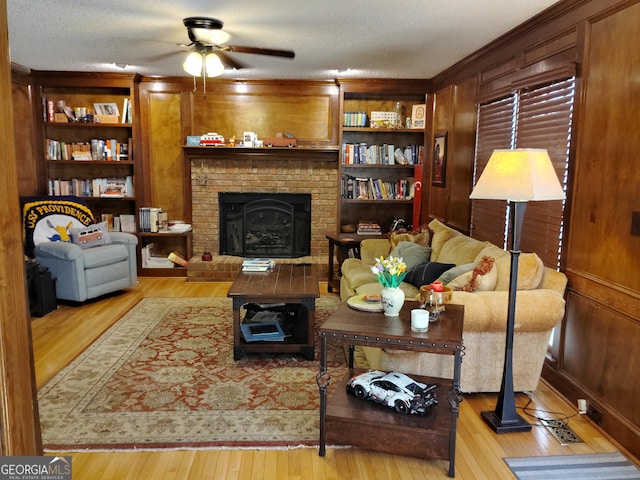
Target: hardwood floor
[63, 334]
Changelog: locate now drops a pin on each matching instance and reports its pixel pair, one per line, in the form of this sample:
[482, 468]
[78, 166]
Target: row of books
[355, 119]
[95, 150]
[385, 154]
[115, 187]
[119, 223]
[51, 109]
[359, 188]
[153, 219]
[257, 264]
[368, 227]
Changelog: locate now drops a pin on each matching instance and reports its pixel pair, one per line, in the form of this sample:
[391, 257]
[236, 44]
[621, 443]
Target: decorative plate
[366, 303]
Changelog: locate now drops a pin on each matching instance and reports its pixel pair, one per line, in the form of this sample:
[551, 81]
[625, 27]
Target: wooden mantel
[321, 154]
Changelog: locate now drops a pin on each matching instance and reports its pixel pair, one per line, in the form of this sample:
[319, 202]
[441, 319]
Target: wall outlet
[582, 405]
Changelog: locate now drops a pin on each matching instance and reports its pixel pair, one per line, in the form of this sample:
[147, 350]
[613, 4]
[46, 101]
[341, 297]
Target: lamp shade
[520, 175]
[193, 64]
[213, 65]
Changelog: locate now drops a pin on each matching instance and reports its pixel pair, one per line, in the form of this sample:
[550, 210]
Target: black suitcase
[41, 288]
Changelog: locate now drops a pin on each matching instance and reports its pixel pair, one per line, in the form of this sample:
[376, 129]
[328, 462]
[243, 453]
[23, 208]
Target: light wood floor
[61, 335]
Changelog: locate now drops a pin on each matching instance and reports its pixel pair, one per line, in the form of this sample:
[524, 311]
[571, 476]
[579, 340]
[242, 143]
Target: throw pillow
[426, 273]
[412, 254]
[91, 236]
[483, 277]
[455, 272]
[421, 237]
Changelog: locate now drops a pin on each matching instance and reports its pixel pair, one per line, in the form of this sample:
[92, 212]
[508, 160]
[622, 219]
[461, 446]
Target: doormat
[600, 466]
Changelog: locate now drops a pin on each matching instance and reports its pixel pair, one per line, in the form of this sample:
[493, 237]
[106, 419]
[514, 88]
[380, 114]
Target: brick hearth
[272, 173]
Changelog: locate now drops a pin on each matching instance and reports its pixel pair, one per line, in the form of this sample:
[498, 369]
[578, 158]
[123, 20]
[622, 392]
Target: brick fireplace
[307, 171]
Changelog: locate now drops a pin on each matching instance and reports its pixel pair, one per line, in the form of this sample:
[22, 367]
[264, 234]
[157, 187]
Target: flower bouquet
[390, 272]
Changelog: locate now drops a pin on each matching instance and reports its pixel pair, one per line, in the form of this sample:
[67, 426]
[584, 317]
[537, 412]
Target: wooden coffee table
[346, 420]
[296, 286]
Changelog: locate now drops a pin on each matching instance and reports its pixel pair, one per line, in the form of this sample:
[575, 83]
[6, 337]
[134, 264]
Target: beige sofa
[539, 308]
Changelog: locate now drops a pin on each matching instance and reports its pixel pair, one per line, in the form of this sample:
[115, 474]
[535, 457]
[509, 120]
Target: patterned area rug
[163, 376]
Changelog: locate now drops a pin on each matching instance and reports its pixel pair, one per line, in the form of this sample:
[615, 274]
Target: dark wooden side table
[346, 420]
[288, 284]
[341, 246]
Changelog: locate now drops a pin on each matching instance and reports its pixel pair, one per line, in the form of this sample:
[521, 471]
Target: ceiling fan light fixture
[213, 65]
[193, 64]
[210, 37]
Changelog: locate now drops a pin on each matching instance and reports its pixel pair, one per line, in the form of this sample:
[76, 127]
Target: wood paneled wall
[19, 422]
[595, 354]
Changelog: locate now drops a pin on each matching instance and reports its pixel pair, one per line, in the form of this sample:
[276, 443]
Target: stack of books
[257, 264]
[368, 227]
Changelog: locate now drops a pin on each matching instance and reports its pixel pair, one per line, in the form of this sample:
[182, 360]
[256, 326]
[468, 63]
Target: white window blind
[538, 117]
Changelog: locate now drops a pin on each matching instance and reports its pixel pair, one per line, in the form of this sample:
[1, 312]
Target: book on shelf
[262, 331]
[128, 223]
[178, 259]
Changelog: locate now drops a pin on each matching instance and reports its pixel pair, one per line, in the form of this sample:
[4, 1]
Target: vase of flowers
[390, 272]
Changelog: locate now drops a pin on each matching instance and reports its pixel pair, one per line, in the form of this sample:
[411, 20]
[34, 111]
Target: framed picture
[438, 169]
[106, 109]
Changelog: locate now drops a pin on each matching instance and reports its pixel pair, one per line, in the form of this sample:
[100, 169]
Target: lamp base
[517, 424]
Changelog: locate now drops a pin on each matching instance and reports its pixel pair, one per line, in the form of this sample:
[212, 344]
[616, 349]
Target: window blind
[543, 120]
[538, 117]
[494, 130]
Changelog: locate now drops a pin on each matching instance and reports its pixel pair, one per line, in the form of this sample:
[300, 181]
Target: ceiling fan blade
[227, 61]
[259, 51]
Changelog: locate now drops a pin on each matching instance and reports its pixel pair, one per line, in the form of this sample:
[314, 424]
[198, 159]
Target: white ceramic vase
[392, 300]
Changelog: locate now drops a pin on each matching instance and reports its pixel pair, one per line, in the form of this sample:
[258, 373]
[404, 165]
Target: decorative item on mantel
[390, 272]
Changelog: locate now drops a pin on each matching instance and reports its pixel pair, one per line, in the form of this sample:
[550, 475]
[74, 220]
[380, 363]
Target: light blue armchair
[85, 259]
[92, 272]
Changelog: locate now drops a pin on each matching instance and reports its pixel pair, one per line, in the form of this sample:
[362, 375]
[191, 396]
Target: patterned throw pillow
[94, 235]
[483, 277]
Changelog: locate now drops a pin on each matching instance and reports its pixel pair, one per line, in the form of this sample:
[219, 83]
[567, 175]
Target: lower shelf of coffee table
[368, 425]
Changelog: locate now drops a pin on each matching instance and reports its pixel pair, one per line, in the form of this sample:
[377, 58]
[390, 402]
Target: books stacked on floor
[257, 264]
[368, 227]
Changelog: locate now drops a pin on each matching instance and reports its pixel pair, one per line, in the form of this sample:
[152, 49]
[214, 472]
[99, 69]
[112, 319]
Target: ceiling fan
[207, 37]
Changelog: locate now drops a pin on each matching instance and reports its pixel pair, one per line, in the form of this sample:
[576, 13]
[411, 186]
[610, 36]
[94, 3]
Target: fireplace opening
[274, 225]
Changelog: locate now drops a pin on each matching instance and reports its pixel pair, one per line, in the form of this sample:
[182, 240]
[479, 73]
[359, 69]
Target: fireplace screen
[265, 224]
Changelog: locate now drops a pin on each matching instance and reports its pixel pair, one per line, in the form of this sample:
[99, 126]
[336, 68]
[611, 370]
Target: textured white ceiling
[372, 38]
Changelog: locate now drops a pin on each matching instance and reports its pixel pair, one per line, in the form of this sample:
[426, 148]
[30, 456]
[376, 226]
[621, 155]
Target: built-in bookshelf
[381, 156]
[89, 134]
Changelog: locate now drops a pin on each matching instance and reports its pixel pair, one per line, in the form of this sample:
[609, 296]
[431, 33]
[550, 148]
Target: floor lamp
[517, 176]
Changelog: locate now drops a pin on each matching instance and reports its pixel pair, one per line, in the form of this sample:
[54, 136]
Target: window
[537, 117]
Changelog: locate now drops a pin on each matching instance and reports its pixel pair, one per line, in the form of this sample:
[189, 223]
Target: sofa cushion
[450, 246]
[530, 268]
[426, 273]
[412, 254]
[357, 272]
[483, 277]
[105, 255]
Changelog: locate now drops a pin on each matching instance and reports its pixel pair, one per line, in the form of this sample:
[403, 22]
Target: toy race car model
[211, 139]
[394, 390]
